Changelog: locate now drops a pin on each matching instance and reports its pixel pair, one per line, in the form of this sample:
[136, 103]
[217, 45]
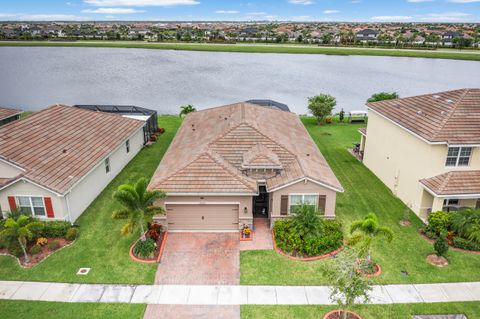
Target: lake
[33, 78]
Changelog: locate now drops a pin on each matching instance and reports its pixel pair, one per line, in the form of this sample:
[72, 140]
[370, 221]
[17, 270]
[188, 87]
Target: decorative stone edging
[278, 250]
[160, 253]
[375, 274]
[328, 314]
[46, 257]
[431, 241]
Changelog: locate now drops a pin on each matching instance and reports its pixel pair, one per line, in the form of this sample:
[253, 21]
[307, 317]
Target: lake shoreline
[467, 55]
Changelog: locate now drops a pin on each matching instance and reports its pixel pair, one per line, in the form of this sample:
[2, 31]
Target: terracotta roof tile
[8, 112]
[452, 117]
[60, 144]
[454, 183]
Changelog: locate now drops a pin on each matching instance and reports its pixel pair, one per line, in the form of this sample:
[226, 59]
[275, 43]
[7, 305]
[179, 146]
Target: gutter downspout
[68, 208]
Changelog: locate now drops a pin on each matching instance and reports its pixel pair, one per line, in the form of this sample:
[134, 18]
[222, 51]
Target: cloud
[42, 17]
[463, 1]
[447, 16]
[302, 18]
[140, 3]
[226, 11]
[391, 18]
[355, 1]
[256, 13]
[113, 10]
[330, 11]
[419, 1]
[303, 2]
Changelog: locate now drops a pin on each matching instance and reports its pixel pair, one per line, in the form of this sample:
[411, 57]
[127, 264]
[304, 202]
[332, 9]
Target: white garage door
[202, 217]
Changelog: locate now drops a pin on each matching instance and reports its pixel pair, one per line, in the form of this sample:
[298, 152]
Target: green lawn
[399, 311]
[100, 245]
[257, 48]
[364, 193]
[15, 309]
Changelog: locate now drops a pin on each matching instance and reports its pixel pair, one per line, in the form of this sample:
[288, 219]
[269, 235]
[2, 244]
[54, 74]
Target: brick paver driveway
[200, 258]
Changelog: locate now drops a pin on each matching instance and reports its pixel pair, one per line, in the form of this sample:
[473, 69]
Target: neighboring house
[229, 164]
[426, 149]
[449, 36]
[54, 162]
[366, 35]
[133, 112]
[8, 115]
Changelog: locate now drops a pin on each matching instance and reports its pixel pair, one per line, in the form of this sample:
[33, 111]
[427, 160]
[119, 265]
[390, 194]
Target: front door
[260, 203]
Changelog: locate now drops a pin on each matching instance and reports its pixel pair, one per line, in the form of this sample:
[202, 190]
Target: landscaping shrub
[35, 249]
[42, 241]
[53, 245]
[438, 223]
[15, 250]
[441, 245]
[55, 228]
[465, 244]
[71, 234]
[289, 241]
[144, 249]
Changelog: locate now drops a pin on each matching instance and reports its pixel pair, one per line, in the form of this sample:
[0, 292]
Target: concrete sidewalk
[229, 295]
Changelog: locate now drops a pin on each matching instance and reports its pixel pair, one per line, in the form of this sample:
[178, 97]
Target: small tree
[138, 204]
[366, 231]
[307, 222]
[341, 115]
[348, 285]
[381, 96]
[185, 109]
[321, 106]
[441, 245]
[21, 229]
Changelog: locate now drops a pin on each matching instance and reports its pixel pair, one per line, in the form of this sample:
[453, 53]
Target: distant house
[232, 163]
[366, 35]
[54, 162]
[449, 36]
[426, 149]
[8, 115]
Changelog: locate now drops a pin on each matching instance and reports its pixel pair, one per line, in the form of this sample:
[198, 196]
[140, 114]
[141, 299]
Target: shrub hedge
[291, 242]
[463, 243]
[55, 228]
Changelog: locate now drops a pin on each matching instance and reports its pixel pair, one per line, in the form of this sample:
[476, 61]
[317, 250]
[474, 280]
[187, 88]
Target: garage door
[202, 217]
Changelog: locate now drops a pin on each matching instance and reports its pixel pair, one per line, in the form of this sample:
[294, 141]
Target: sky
[243, 10]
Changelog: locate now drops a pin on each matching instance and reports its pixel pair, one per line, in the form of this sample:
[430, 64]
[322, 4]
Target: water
[33, 78]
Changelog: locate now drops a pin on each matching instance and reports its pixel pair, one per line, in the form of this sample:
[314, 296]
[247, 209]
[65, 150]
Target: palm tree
[185, 109]
[307, 222]
[466, 223]
[138, 203]
[22, 229]
[366, 231]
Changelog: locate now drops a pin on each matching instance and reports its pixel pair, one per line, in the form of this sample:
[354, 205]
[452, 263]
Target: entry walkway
[229, 295]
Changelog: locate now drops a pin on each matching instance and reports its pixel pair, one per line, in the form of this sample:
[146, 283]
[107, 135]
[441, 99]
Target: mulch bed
[338, 314]
[158, 250]
[43, 254]
[377, 271]
[424, 236]
[438, 261]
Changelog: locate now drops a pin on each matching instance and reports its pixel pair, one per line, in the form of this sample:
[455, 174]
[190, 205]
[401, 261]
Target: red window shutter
[12, 203]
[49, 207]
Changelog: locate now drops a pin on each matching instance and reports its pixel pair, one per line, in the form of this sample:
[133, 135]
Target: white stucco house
[55, 162]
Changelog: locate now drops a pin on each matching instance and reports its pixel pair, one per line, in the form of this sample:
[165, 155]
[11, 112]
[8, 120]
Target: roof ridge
[271, 139]
[445, 121]
[448, 175]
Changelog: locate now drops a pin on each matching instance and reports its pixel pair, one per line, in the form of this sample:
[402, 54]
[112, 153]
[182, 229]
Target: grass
[16, 309]
[258, 48]
[398, 311]
[100, 245]
[364, 193]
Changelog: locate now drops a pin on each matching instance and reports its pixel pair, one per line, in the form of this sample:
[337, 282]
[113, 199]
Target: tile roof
[7, 112]
[60, 144]
[231, 135]
[260, 157]
[452, 117]
[454, 183]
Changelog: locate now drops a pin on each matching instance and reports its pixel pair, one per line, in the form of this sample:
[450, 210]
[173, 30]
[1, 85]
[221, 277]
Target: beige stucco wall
[8, 171]
[243, 201]
[28, 189]
[401, 159]
[303, 187]
[83, 194]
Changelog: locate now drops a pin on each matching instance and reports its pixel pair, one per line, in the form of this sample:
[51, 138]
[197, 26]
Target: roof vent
[436, 96]
[449, 101]
[419, 112]
[308, 154]
[443, 112]
[64, 151]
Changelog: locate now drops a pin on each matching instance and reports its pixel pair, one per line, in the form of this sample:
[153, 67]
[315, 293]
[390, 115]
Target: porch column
[437, 204]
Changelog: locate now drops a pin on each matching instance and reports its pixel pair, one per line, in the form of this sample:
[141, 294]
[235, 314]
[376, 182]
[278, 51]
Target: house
[54, 162]
[366, 35]
[8, 115]
[426, 149]
[130, 111]
[449, 36]
[232, 163]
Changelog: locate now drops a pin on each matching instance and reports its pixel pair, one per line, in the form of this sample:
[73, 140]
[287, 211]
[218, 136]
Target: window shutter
[322, 199]
[12, 203]
[49, 207]
[284, 205]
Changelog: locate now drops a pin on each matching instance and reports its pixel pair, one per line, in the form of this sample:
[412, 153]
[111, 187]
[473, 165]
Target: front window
[31, 205]
[458, 156]
[127, 146]
[298, 200]
[107, 165]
